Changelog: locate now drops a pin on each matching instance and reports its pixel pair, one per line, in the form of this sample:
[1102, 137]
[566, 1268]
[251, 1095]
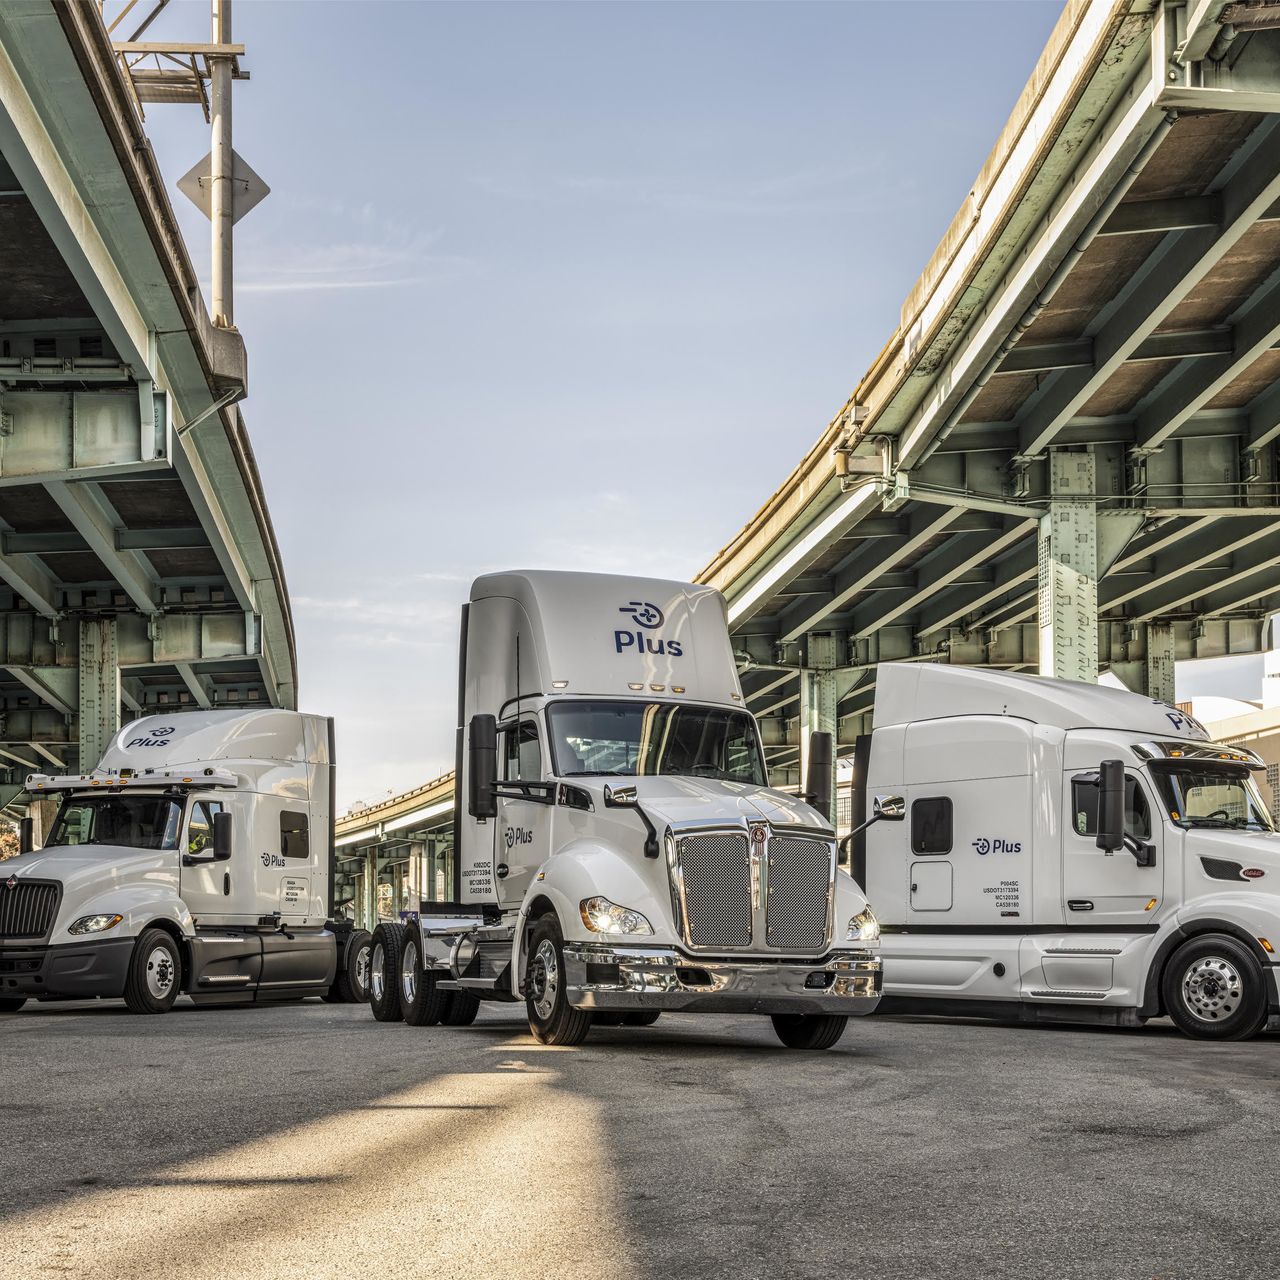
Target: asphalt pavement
[309, 1140]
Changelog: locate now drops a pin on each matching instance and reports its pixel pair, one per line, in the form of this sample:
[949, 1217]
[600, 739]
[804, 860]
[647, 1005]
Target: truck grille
[27, 909]
[798, 893]
[717, 890]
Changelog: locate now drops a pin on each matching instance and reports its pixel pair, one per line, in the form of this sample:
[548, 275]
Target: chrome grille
[798, 886]
[717, 890]
[26, 910]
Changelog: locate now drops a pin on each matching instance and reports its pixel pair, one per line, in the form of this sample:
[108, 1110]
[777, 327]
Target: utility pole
[223, 168]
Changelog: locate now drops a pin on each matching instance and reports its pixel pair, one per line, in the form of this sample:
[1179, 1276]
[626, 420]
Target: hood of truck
[92, 866]
[679, 801]
[1256, 850]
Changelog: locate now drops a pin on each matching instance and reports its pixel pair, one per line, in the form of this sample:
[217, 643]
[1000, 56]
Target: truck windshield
[1201, 795]
[638, 738]
[137, 822]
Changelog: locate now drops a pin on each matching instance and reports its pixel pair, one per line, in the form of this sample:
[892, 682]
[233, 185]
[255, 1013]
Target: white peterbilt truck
[618, 849]
[1066, 852]
[197, 857]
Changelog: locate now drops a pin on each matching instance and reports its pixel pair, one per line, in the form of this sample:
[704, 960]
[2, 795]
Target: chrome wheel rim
[378, 971]
[362, 973]
[544, 979]
[409, 972]
[1212, 989]
[161, 972]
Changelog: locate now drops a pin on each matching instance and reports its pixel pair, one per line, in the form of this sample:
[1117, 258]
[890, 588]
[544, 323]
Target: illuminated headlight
[95, 924]
[602, 916]
[864, 927]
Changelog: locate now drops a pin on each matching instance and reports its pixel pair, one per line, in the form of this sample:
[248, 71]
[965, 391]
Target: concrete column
[1068, 546]
[819, 699]
[99, 689]
[1159, 663]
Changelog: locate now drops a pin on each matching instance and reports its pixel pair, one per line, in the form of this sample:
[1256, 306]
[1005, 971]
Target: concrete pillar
[99, 689]
[1159, 663]
[1068, 546]
[819, 700]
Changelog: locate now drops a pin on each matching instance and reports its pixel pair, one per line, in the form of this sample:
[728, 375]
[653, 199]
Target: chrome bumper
[600, 976]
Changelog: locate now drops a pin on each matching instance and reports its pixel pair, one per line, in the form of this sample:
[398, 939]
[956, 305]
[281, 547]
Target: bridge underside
[1066, 460]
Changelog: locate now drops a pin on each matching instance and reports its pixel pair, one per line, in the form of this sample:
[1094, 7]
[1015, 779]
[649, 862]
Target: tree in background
[8, 839]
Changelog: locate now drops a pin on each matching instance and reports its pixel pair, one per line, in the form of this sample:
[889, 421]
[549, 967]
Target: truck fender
[141, 906]
[1190, 927]
[540, 898]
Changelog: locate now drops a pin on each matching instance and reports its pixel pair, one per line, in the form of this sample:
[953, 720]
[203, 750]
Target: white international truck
[198, 858]
[619, 851]
[1066, 852]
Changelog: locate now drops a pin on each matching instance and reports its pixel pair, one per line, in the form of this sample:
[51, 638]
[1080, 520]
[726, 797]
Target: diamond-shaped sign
[246, 187]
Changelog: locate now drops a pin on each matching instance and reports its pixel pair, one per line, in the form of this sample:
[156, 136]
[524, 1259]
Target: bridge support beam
[1068, 571]
[1158, 667]
[820, 700]
[99, 689]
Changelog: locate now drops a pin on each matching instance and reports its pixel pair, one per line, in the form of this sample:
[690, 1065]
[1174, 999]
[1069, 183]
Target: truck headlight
[864, 927]
[95, 924]
[602, 916]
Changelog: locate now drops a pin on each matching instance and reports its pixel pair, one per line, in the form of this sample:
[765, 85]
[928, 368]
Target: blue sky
[562, 285]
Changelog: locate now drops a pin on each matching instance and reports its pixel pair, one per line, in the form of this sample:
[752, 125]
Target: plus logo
[648, 616]
[984, 845]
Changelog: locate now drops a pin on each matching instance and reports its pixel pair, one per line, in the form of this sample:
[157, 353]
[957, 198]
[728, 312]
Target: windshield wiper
[1192, 820]
[598, 773]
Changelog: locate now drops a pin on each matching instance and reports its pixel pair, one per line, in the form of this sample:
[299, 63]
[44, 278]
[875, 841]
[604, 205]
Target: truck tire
[154, 976]
[351, 985]
[809, 1030]
[1213, 989]
[421, 1000]
[11, 1004]
[643, 1018]
[460, 1009]
[384, 972]
[552, 1019]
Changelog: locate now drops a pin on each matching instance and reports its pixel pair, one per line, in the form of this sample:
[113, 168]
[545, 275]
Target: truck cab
[195, 858]
[1068, 852]
[620, 852]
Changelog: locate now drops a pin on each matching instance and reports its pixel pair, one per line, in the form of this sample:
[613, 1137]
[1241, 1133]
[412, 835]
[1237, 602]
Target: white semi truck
[1066, 852]
[198, 858]
[618, 849]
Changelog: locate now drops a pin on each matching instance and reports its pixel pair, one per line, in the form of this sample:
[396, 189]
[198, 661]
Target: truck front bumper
[77, 970]
[603, 976]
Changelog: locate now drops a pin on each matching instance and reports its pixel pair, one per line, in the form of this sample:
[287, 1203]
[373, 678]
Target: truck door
[522, 832]
[1101, 887]
[206, 885]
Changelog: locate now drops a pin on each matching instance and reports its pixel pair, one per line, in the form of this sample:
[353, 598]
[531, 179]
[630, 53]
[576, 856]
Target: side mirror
[889, 808]
[26, 835]
[222, 828]
[482, 750]
[620, 797]
[1111, 805]
[819, 776]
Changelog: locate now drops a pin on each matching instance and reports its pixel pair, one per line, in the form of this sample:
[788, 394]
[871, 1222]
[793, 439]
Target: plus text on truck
[619, 850]
[198, 858]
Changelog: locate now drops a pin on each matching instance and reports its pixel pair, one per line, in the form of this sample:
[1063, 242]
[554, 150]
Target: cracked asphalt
[309, 1140]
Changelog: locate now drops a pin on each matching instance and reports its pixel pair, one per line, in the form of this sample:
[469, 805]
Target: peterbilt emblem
[1253, 873]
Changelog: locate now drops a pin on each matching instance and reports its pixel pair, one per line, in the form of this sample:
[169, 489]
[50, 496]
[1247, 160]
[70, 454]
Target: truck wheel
[645, 1018]
[1213, 989]
[460, 1009]
[552, 1019]
[351, 985]
[809, 1030]
[421, 1001]
[11, 1004]
[154, 976]
[384, 972]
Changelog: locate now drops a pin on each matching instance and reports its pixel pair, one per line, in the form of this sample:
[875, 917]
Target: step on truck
[619, 852]
[197, 857]
[1066, 852]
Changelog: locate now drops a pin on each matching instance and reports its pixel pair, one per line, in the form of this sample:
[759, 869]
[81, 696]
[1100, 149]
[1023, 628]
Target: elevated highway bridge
[1065, 458]
[138, 567]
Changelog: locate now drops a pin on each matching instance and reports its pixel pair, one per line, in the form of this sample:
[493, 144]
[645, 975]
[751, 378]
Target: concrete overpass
[138, 567]
[1065, 457]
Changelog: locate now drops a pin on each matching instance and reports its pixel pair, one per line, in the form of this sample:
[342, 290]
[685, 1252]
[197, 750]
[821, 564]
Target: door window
[522, 757]
[1137, 813]
[200, 828]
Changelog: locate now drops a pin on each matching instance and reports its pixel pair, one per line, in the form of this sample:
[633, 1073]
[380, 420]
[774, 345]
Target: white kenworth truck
[618, 849]
[1066, 852]
[198, 858]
